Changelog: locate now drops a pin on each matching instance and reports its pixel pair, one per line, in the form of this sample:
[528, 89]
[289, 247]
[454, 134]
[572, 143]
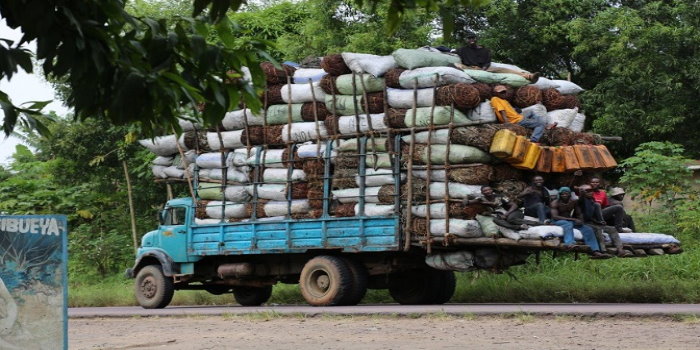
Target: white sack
[302, 132]
[174, 172]
[578, 122]
[303, 75]
[159, 171]
[276, 192]
[352, 195]
[438, 137]
[187, 125]
[546, 232]
[270, 158]
[348, 124]
[366, 63]
[452, 261]
[647, 238]
[298, 206]
[508, 66]
[232, 174]
[161, 145]
[231, 139]
[425, 77]
[231, 210]
[567, 88]
[563, 117]
[212, 160]
[311, 150]
[236, 120]
[372, 209]
[282, 175]
[482, 113]
[544, 83]
[457, 227]
[301, 93]
[402, 98]
[206, 221]
[454, 190]
[437, 210]
[164, 161]
[378, 177]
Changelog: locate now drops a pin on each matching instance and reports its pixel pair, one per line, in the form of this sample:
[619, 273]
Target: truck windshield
[175, 216]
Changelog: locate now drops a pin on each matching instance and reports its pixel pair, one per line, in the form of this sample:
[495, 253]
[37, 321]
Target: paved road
[391, 309]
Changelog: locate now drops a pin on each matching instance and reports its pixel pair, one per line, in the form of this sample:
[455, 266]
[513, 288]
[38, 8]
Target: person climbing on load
[615, 197]
[614, 214]
[592, 216]
[567, 215]
[506, 212]
[536, 200]
[507, 114]
[475, 56]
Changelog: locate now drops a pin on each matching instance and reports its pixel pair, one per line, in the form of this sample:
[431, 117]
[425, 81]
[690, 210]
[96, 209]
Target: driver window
[175, 216]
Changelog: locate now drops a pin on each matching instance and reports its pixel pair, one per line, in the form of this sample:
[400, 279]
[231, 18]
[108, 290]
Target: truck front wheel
[252, 296]
[154, 290]
[325, 280]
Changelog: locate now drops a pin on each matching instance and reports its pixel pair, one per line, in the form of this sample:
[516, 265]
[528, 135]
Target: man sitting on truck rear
[536, 199]
[567, 215]
[592, 216]
[507, 114]
[613, 213]
[504, 211]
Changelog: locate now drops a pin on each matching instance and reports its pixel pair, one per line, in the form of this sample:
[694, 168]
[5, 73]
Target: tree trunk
[131, 205]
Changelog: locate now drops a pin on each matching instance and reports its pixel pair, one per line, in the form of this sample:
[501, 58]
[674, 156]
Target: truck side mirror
[161, 216]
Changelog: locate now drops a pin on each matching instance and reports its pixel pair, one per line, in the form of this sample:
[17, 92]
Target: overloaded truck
[354, 177]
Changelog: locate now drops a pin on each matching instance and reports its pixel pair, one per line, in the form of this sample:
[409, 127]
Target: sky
[24, 88]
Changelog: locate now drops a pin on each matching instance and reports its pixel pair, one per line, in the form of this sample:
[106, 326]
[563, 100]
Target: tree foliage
[657, 171]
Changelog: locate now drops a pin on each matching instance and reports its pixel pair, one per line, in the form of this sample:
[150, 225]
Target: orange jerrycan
[570, 159]
[544, 164]
[503, 143]
[585, 157]
[605, 157]
[558, 161]
[531, 157]
[520, 147]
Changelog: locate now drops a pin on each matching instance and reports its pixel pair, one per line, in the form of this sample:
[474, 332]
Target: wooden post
[132, 215]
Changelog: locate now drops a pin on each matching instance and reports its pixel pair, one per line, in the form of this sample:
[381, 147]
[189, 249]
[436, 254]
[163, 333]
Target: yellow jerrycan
[503, 143]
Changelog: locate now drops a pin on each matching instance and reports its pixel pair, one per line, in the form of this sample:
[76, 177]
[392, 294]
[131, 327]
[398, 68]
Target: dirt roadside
[269, 331]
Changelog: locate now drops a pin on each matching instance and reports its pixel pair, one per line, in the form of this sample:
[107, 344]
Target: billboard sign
[33, 282]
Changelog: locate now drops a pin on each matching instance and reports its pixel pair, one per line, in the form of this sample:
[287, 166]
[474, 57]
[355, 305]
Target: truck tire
[153, 289]
[445, 284]
[252, 296]
[325, 280]
[359, 282]
[412, 287]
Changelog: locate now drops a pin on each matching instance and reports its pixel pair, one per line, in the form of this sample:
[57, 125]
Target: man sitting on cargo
[504, 211]
[615, 197]
[592, 216]
[614, 214]
[567, 215]
[475, 56]
[536, 200]
[507, 114]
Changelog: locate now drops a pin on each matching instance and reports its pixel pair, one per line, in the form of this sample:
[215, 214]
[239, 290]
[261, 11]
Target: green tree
[641, 59]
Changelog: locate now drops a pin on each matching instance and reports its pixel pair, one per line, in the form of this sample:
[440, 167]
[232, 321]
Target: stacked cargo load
[403, 136]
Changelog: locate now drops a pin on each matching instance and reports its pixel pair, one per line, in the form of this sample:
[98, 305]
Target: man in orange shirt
[507, 114]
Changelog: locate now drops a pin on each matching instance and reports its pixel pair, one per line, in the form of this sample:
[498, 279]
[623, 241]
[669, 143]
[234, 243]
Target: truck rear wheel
[153, 289]
[359, 282]
[445, 284]
[252, 296]
[325, 280]
[422, 286]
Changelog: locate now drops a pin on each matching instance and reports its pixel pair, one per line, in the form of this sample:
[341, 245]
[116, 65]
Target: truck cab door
[173, 232]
